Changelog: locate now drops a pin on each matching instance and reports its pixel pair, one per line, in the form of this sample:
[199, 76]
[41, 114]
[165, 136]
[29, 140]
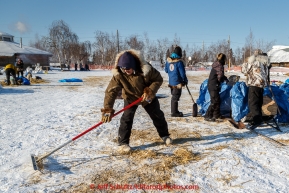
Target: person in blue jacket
[175, 67]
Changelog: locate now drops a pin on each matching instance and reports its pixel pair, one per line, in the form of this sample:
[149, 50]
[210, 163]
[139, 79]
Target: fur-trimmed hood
[141, 65]
[134, 85]
[260, 58]
[170, 60]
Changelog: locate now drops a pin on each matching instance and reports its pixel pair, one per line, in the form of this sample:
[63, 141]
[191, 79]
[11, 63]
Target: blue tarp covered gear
[234, 100]
[71, 80]
[239, 99]
[281, 98]
[204, 99]
[23, 80]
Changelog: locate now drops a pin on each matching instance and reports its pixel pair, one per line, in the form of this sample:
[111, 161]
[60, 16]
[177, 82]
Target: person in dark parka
[20, 67]
[135, 78]
[216, 78]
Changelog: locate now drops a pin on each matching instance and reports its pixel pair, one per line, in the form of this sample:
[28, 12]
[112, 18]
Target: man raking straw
[135, 78]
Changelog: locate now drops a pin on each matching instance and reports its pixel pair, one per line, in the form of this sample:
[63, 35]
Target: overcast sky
[193, 21]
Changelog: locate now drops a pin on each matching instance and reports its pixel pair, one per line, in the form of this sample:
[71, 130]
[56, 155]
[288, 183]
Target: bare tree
[64, 46]
[177, 40]
[265, 46]
[218, 47]
[168, 53]
[148, 48]
[39, 43]
[60, 38]
[100, 45]
[106, 48]
[249, 44]
[134, 43]
[162, 46]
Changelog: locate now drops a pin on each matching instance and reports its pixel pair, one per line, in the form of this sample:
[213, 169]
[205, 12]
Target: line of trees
[66, 48]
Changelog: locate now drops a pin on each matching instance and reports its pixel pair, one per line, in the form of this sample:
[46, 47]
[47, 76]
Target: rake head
[37, 164]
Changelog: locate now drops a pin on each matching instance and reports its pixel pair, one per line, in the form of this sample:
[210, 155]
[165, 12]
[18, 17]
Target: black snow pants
[155, 113]
[255, 102]
[176, 94]
[9, 72]
[214, 108]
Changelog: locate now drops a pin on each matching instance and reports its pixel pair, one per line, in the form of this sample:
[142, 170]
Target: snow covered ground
[205, 156]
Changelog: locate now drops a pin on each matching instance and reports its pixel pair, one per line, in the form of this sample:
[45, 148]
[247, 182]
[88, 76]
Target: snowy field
[205, 156]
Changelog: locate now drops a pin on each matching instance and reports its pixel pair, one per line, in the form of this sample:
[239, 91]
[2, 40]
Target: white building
[279, 56]
[10, 51]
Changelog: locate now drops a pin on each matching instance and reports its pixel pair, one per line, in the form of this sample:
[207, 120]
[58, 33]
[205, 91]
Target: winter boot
[252, 125]
[124, 148]
[167, 140]
[174, 109]
[178, 114]
[210, 119]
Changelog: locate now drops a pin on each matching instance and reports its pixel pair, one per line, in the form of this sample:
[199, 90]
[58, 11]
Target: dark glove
[184, 83]
[148, 95]
[107, 115]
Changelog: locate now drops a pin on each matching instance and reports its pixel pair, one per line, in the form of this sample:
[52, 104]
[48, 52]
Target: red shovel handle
[94, 126]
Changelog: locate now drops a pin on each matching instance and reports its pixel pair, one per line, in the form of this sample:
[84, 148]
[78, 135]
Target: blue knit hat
[127, 60]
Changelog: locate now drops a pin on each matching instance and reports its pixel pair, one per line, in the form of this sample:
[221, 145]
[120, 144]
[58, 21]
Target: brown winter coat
[132, 86]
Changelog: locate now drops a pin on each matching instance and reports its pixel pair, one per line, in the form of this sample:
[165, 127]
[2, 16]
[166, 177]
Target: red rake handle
[94, 126]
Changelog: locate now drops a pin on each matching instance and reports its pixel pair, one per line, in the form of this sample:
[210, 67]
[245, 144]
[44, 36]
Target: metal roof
[11, 48]
[5, 34]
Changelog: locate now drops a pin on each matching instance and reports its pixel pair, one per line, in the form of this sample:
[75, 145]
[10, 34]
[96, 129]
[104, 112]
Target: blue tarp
[71, 80]
[234, 100]
[239, 97]
[24, 80]
[282, 101]
[204, 99]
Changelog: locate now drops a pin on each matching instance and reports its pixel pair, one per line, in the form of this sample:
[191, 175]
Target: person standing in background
[256, 70]
[216, 78]
[19, 67]
[75, 66]
[175, 67]
[10, 69]
[87, 67]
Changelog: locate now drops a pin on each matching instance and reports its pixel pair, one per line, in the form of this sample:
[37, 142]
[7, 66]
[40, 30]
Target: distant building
[10, 51]
[279, 56]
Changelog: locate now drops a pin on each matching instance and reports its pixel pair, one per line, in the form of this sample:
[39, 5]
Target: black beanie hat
[178, 51]
[127, 60]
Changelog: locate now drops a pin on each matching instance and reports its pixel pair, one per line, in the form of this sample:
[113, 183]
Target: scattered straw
[141, 167]
[227, 179]
[3, 84]
[218, 147]
[38, 81]
[284, 141]
[33, 81]
[98, 81]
